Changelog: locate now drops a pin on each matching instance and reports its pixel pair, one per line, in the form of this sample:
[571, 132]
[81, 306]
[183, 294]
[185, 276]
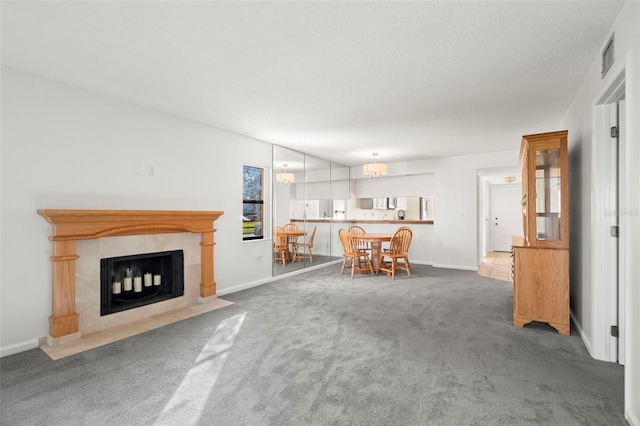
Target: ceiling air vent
[607, 56]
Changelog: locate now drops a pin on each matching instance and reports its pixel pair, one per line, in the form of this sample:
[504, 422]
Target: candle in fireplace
[137, 284]
[117, 287]
[156, 279]
[147, 279]
[127, 284]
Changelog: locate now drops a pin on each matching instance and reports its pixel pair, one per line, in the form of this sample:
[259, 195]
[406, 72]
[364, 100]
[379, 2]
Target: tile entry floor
[497, 264]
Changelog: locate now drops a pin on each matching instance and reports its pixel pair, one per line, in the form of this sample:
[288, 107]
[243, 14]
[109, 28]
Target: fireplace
[71, 226]
[128, 282]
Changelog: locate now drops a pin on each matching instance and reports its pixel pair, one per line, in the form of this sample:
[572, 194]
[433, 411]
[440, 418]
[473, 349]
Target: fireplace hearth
[70, 226]
[128, 282]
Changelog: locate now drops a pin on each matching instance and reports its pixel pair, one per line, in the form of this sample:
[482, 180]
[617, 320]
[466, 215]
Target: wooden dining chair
[293, 239]
[359, 259]
[397, 256]
[305, 247]
[280, 245]
[356, 230]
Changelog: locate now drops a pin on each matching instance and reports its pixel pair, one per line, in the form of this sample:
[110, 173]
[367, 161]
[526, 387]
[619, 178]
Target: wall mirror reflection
[304, 209]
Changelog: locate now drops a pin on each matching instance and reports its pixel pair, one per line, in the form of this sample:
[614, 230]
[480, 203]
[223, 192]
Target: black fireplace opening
[129, 282]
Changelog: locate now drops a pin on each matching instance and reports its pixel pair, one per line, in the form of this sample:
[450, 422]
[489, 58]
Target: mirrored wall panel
[341, 194]
[309, 195]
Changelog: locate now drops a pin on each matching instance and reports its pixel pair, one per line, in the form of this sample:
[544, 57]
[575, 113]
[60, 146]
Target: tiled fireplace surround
[82, 237]
[88, 276]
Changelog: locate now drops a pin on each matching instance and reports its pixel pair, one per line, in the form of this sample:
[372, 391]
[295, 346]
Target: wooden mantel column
[63, 320]
[207, 284]
[70, 226]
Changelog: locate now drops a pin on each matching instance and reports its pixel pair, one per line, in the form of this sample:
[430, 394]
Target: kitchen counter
[366, 221]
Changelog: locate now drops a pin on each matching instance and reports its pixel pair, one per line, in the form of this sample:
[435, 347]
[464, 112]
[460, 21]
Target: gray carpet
[322, 349]
[278, 269]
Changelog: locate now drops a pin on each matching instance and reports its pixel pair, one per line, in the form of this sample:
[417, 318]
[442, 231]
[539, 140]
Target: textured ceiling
[339, 80]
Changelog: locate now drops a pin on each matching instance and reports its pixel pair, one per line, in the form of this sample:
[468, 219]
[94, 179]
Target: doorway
[488, 178]
[609, 236]
[506, 216]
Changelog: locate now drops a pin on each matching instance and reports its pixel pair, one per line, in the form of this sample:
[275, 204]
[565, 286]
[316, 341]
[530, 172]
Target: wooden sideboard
[541, 287]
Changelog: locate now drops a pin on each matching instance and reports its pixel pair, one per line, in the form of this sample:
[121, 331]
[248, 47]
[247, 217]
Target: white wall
[579, 121]
[456, 205]
[417, 185]
[454, 188]
[632, 220]
[484, 228]
[63, 147]
[67, 148]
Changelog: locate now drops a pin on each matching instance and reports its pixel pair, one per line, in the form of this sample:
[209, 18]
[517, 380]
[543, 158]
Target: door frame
[517, 186]
[487, 177]
[607, 300]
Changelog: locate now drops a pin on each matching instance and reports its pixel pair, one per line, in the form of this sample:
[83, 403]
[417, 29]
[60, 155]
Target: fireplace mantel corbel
[70, 226]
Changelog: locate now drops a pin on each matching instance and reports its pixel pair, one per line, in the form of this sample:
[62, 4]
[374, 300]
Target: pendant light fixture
[375, 169]
[284, 176]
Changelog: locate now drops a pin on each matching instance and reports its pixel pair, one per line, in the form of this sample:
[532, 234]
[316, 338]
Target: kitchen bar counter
[366, 221]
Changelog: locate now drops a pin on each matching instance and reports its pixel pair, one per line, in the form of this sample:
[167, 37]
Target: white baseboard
[19, 347]
[421, 262]
[461, 267]
[632, 418]
[583, 336]
[256, 283]
[245, 286]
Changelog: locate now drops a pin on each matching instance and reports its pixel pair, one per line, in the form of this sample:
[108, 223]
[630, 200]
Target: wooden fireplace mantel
[72, 225]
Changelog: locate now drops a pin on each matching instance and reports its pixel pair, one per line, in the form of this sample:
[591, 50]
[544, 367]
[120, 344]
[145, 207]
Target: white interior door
[624, 231]
[608, 294]
[611, 219]
[506, 215]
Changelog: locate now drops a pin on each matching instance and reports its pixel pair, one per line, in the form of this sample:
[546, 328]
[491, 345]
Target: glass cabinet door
[548, 195]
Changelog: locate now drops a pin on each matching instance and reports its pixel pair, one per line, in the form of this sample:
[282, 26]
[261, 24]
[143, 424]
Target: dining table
[293, 235]
[375, 240]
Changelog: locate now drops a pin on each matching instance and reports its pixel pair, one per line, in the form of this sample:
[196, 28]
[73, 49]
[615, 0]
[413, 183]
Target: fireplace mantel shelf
[70, 226]
[92, 224]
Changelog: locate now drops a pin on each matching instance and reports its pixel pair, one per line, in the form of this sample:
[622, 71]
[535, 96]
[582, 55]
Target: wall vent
[607, 56]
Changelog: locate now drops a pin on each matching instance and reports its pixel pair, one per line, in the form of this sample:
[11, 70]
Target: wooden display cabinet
[541, 256]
